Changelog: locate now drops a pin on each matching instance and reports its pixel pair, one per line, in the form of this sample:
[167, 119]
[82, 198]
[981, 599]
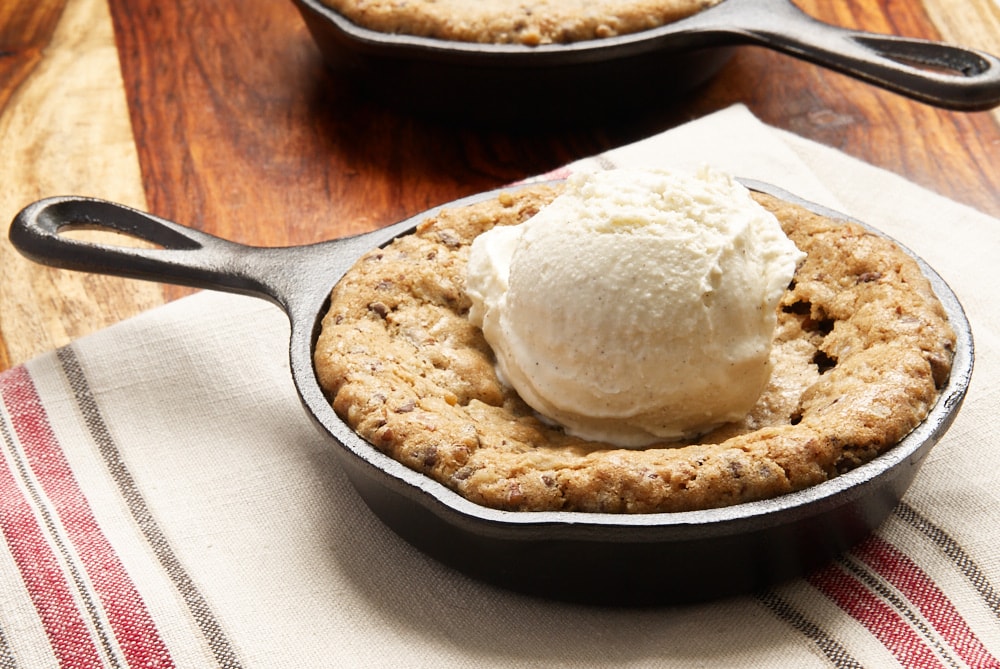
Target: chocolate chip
[449, 239]
[868, 277]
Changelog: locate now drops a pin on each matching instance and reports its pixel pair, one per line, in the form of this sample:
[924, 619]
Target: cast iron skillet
[511, 83]
[592, 557]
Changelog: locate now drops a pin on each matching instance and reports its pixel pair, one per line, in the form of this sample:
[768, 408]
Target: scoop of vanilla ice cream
[638, 306]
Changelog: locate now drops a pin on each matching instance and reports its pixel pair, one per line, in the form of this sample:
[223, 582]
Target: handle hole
[932, 57]
[116, 224]
[93, 234]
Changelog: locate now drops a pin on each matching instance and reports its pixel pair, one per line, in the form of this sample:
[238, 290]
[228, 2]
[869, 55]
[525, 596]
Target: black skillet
[512, 83]
[601, 558]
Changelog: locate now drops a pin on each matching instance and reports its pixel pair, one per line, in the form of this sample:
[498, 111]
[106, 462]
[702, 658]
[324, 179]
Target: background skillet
[660, 557]
[513, 84]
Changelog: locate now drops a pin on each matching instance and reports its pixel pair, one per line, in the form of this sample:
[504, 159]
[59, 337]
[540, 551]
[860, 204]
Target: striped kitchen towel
[166, 502]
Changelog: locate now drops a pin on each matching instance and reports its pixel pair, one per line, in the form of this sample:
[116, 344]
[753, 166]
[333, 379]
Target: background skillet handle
[940, 74]
[185, 256]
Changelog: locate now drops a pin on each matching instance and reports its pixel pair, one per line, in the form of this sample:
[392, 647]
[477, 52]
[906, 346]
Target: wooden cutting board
[221, 115]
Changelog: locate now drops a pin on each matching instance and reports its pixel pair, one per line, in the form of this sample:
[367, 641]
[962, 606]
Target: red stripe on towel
[877, 616]
[126, 613]
[43, 577]
[904, 574]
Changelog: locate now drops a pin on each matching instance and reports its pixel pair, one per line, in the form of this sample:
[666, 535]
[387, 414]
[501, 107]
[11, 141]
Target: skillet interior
[633, 559]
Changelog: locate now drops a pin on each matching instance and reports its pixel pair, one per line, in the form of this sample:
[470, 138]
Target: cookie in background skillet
[530, 22]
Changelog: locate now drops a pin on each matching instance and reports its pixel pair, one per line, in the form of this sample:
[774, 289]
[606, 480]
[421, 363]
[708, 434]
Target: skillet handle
[184, 256]
[943, 75]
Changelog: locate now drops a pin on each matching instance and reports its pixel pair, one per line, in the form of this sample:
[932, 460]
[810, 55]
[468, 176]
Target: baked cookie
[861, 349]
[530, 22]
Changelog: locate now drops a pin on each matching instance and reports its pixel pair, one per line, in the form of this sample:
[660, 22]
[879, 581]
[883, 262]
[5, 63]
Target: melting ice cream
[639, 306]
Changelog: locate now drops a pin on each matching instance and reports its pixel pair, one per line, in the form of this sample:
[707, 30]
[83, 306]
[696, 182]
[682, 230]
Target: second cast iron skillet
[514, 83]
[592, 557]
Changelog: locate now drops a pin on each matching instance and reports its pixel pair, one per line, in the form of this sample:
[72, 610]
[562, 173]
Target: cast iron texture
[596, 558]
[518, 84]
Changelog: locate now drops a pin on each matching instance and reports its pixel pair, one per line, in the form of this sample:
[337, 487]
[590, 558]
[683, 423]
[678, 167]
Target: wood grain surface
[222, 115]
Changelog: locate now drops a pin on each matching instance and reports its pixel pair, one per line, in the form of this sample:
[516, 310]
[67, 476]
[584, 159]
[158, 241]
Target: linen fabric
[165, 501]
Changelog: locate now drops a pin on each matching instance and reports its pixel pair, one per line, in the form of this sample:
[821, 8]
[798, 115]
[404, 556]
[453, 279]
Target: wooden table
[220, 114]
